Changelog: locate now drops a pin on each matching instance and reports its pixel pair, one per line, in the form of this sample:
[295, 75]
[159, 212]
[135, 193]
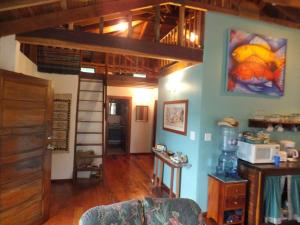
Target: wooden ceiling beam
[288, 14]
[287, 3]
[70, 15]
[125, 81]
[204, 6]
[110, 44]
[19, 4]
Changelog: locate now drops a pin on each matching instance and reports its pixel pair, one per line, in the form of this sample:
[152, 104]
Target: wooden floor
[125, 177]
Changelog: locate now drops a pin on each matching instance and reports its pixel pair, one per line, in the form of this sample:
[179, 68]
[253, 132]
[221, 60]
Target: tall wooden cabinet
[226, 200]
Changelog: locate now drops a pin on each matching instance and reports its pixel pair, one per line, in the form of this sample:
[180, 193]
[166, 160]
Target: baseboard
[141, 153]
[59, 181]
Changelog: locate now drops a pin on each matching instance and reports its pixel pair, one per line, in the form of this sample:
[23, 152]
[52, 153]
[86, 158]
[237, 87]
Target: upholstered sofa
[150, 211]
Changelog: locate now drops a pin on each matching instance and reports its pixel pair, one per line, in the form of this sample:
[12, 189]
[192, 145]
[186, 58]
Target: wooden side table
[226, 200]
[162, 159]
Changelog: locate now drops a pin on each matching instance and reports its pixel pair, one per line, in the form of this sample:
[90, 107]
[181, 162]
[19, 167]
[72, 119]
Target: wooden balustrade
[124, 64]
[191, 34]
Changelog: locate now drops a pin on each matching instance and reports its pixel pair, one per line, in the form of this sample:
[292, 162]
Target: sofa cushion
[125, 213]
[179, 211]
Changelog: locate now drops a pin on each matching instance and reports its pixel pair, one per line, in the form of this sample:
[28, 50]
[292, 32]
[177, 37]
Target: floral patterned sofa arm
[160, 211]
[129, 212]
[151, 211]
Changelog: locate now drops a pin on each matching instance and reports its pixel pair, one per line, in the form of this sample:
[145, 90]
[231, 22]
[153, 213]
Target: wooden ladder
[89, 139]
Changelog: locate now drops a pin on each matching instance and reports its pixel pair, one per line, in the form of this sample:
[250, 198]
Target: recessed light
[87, 70]
[139, 75]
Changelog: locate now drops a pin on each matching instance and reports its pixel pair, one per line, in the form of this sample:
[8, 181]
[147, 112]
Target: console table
[163, 158]
[255, 174]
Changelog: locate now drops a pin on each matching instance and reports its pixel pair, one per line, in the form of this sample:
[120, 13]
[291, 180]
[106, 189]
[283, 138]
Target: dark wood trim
[129, 99]
[110, 44]
[286, 3]
[108, 8]
[186, 102]
[18, 4]
[154, 123]
[92, 76]
[174, 67]
[61, 181]
[76, 128]
[52, 19]
[124, 81]
[141, 153]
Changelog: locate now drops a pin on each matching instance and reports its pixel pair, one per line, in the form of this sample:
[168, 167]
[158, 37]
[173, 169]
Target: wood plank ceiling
[154, 21]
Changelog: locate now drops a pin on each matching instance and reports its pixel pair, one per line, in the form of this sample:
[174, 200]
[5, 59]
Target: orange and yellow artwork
[256, 64]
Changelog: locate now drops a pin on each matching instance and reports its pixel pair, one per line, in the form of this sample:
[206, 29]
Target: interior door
[25, 158]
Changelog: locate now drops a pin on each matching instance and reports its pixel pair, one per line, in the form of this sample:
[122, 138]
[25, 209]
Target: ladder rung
[85, 100]
[89, 144]
[85, 110]
[89, 132]
[88, 121]
[91, 91]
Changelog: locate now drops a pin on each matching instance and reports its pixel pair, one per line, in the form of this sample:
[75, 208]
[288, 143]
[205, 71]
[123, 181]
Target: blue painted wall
[209, 102]
[187, 81]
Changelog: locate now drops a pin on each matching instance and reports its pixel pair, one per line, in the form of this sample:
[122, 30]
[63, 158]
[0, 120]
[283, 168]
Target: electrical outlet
[193, 135]
[207, 137]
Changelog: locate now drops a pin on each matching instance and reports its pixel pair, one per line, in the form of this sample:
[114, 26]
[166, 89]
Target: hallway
[125, 177]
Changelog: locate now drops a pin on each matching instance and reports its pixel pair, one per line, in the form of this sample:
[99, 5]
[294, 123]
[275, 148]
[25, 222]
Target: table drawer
[235, 202]
[235, 189]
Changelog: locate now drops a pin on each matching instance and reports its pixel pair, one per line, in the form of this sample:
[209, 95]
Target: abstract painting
[256, 64]
[175, 116]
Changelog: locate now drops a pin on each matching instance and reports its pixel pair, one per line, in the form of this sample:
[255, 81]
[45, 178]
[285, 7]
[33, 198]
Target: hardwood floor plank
[125, 177]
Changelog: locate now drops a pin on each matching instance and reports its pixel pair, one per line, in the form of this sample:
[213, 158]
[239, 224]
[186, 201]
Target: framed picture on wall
[175, 116]
[256, 63]
[141, 113]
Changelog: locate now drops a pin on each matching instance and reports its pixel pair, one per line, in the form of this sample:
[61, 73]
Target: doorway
[118, 127]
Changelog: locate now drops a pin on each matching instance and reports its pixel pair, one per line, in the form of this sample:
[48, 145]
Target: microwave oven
[257, 153]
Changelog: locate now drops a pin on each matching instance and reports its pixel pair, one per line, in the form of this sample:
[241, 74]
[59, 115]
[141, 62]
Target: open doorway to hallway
[118, 128]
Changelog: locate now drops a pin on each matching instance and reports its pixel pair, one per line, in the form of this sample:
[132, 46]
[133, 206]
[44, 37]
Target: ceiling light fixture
[193, 37]
[122, 26]
[139, 75]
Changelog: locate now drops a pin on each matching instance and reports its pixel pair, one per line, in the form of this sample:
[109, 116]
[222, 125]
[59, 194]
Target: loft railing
[191, 35]
[124, 64]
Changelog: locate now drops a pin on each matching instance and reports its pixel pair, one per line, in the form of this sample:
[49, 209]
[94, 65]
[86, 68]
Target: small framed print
[175, 116]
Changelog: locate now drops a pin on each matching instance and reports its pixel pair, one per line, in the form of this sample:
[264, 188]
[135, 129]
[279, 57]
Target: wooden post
[198, 28]
[71, 26]
[181, 25]
[101, 25]
[130, 28]
[178, 182]
[171, 183]
[157, 23]
[161, 172]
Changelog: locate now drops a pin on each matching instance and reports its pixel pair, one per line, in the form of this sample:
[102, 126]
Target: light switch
[207, 137]
[193, 135]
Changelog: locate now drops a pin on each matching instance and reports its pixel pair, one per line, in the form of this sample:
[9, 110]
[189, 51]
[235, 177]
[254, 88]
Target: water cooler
[228, 144]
